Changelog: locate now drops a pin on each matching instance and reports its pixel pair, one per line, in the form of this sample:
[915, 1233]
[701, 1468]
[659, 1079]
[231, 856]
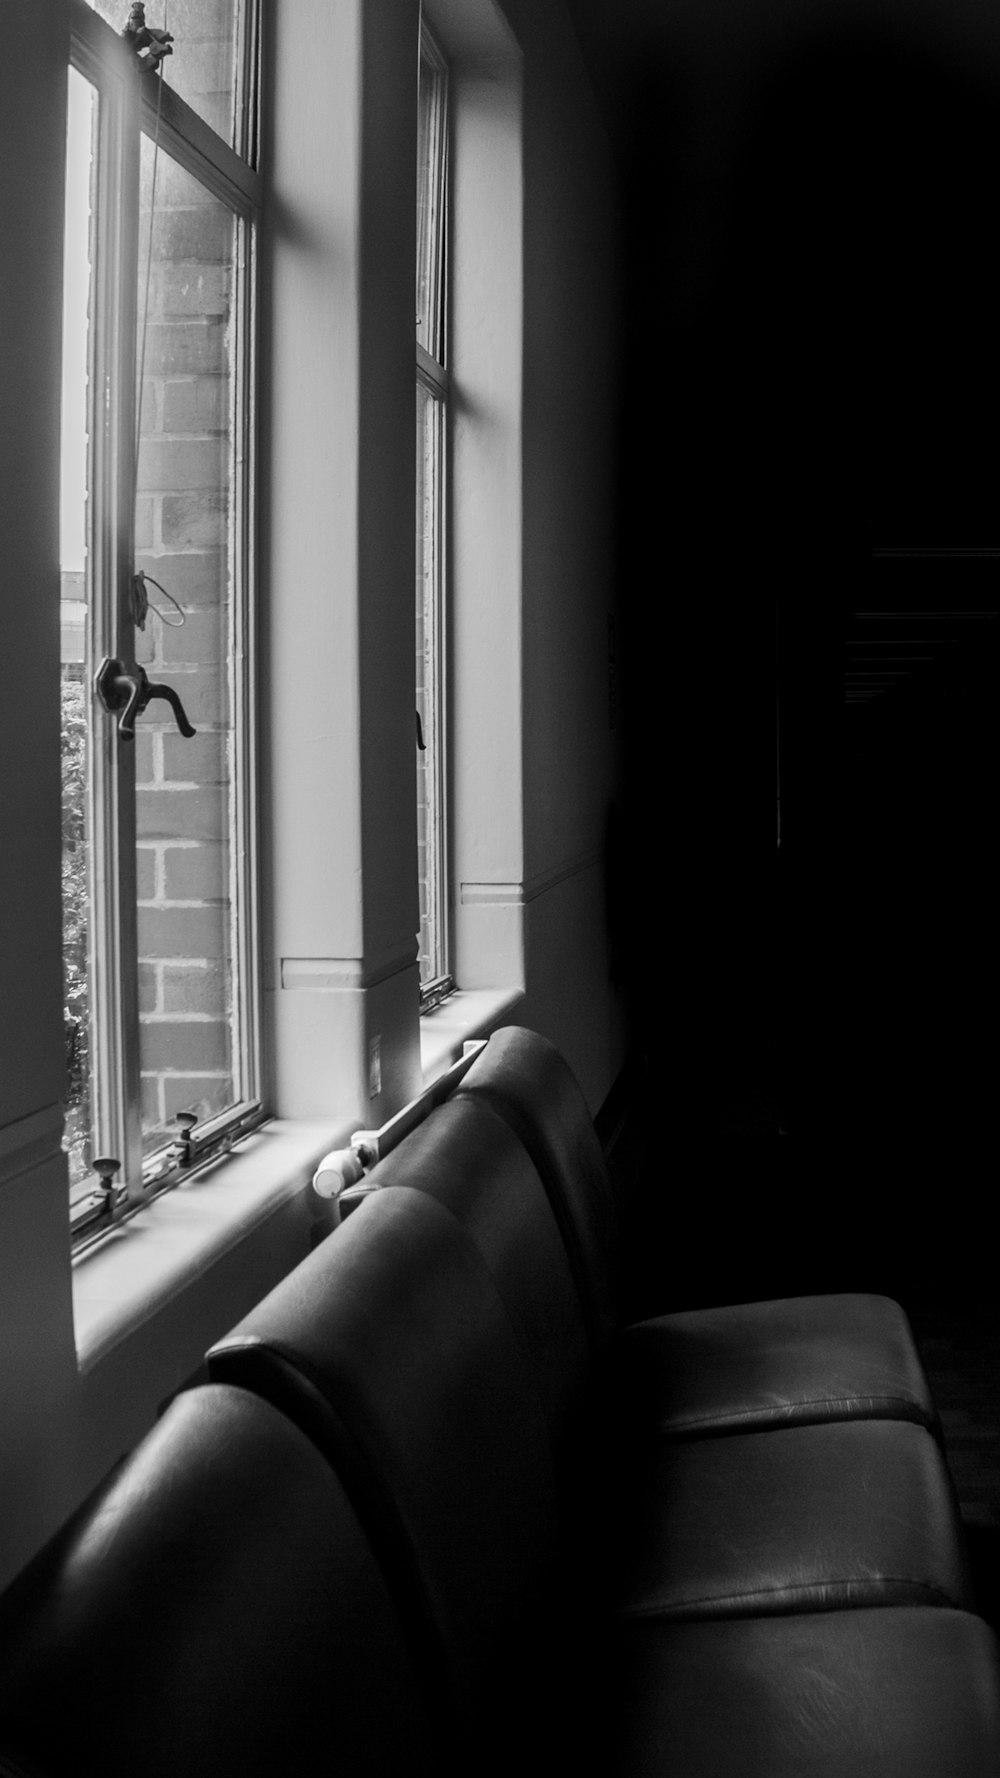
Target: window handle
[131, 692]
[164, 691]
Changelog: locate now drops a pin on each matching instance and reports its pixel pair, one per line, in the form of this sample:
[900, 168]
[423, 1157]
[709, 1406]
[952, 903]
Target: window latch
[106, 1167]
[131, 692]
[182, 1148]
[150, 45]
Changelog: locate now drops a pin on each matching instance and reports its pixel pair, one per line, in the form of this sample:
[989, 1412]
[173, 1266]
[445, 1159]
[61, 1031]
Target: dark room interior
[496, 1263]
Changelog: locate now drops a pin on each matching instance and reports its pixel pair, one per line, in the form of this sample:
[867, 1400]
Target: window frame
[133, 105]
[434, 380]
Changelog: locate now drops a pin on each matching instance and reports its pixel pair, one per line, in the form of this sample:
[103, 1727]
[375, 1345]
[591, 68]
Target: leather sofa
[206, 1614]
[718, 1541]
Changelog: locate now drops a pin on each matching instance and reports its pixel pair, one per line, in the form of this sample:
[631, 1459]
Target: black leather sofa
[437, 1511]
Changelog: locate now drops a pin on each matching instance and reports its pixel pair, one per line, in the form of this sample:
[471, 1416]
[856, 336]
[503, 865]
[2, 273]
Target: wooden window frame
[130, 105]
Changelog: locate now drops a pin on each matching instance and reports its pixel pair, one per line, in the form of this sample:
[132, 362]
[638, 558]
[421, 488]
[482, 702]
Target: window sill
[127, 1278]
[152, 1261]
[464, 1016]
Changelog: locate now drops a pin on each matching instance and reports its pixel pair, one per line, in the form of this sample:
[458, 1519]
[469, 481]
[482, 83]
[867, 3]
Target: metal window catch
[185, 1121]
[150, 45]
[128, 692]
[106, 1167]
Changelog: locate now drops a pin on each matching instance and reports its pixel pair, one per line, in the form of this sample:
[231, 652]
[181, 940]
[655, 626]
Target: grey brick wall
[183, 786]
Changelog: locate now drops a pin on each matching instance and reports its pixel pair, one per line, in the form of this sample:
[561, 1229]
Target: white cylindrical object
[337, 1170]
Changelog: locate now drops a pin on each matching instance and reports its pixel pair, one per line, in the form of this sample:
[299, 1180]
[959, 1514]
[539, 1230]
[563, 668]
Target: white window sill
[125, 1279]
[465, 1015]
[148, 1265]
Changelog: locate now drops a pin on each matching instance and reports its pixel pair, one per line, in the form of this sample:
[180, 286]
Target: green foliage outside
[76, 1023]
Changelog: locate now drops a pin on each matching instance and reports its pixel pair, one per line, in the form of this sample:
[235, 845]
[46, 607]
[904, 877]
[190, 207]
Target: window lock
[130, 692]
[106, 1167]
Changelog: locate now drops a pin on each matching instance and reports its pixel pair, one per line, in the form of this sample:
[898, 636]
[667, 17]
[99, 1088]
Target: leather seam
[804, 1591]
[819, 1401]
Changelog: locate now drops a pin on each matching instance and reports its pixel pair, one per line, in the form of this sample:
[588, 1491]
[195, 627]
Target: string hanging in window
[151, 46]
[142, 604]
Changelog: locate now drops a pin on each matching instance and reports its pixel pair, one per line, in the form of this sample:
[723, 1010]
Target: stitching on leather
[794, 1592]
[819, 1401]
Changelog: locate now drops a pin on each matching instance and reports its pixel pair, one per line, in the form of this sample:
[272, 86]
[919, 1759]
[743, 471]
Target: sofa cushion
[704, 1371]
[214, 1610]
[860, 1512]
[778, 1364]
[903, 1693]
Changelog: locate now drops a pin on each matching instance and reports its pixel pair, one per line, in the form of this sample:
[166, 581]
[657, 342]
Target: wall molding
[337, 975]
[30, 1140]
[519, 894]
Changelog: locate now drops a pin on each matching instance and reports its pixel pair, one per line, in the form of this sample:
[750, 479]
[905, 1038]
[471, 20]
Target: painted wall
[38, 1371]
[336, 553]
[571, 368]
[544, 889]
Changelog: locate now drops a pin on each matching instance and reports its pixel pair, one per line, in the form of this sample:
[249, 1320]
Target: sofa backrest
[392, 1349]
[530, 1085]
[466, 1157]
[211, 1611]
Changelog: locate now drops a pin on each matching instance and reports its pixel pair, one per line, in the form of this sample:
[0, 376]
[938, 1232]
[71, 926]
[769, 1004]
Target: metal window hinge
[150, 45]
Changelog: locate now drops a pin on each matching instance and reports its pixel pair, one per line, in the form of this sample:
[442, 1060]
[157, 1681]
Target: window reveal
[159, 917]
[431, 514]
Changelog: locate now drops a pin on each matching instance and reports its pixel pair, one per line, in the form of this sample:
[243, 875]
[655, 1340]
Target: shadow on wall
[812, 306]
[861, 281]
[812, 336]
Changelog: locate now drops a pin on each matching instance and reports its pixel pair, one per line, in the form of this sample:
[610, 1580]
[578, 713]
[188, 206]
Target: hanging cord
[142, 604]
[140, 598]
[161, 77]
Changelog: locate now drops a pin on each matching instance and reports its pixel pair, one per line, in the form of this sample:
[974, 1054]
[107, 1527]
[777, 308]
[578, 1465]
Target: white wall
[533, 753]
[536, 326]
[338, 552]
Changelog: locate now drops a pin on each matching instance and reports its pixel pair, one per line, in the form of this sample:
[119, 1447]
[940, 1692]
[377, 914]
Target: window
[156, 551]
[432, 506]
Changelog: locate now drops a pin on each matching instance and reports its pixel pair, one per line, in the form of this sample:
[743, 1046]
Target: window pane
[431, 154]
[77, 704]
[203, 54]
[432, 949]
[185, 814]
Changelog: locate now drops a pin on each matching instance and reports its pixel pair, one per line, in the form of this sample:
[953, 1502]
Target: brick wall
[200, 67]
[428, 543]
[182, 539]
